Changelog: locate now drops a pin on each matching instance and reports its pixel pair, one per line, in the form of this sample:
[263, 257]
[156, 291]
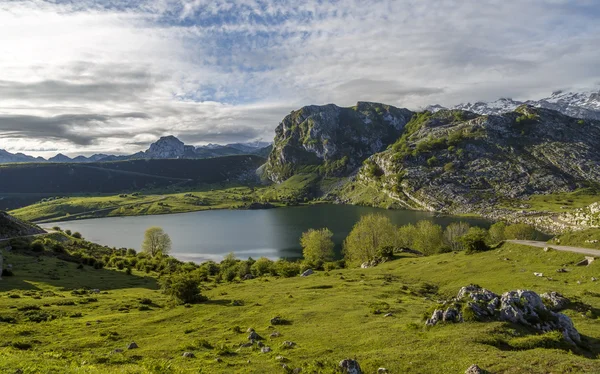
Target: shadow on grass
[29, 271]
[528, 339]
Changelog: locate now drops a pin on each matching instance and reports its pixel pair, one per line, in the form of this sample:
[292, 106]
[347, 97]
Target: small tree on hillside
[429, 237]
[371, 233]
[497, 232]
[317, 245]
[156, 242]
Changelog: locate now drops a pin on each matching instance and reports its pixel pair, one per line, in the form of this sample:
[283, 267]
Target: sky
[111, 76]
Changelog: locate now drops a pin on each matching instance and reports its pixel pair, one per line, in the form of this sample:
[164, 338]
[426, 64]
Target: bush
[429, 237]
[432, 161]
[77, 235]
[7, 273]
[385, 252]
[475, 240]
[37, 246]
[449, 167]
[262, 266]
[184, 288]
[520, 231]
[68, 232]
[287, 269]
[58, 248]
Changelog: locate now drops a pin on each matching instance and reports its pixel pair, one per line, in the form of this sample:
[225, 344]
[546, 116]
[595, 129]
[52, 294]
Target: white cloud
[219, 70]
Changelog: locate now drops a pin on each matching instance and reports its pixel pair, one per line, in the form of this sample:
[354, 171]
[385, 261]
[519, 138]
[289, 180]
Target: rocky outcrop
[332, 139]
[460, 162]
[10, 227]
[520, 307]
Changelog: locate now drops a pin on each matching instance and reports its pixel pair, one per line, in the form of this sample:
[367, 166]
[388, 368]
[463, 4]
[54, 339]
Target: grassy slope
[330, 319]
[583, 238]
[65, 208]
[557, 202]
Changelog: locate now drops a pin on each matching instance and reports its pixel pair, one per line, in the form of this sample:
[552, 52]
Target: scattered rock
[132, 345]
[260, 344]
[585, 262]
[254, 336]
[281, 359]
[350, 367]
[218, 359]
[561, 270]
[248, 276]
[288, 344]
[382, 371]
[265, 349]
[250, 329]
[237, 303]
[558, 301]
[276, 320]
[389, 315]
[307, 273]
[474, 369]
[118, 350]
[297, 371]
[88, 323]
[547, 249]
[247, 345]
[538, 274]
[594, 279]
[189, 355]
[275, 334]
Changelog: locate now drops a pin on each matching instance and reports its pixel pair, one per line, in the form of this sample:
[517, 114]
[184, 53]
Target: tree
[317, 245]
[429, 237]
[520, 231]
[453, 233]
[372, 232]
[475, 240]
[406, 236]
[156, 242]
[497, 232]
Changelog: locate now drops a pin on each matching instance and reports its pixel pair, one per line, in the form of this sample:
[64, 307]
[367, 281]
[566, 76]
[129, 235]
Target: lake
[272, 233]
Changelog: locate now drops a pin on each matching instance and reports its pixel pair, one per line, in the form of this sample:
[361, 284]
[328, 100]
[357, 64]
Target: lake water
[210, 235]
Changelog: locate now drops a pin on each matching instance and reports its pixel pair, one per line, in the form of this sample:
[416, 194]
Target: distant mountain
[574, 104]
[167, 147]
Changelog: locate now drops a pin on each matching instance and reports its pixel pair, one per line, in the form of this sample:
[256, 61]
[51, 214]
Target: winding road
[565, 248]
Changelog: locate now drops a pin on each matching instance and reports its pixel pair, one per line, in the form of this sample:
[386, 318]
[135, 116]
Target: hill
[331, 139]
[328, 317]
[460, 162]
[11, 227]
[122, 176]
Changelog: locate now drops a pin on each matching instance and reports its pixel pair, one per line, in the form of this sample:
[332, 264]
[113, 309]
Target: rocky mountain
[166, 147]
[575, 104]
[460, 162]
[331, 139]
[11, 227]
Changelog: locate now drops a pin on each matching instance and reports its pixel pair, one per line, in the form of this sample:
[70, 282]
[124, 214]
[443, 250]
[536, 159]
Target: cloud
[223, 70]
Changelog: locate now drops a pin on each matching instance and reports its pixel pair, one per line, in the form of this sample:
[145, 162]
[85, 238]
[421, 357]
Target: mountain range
[574, 104]
[167, 147]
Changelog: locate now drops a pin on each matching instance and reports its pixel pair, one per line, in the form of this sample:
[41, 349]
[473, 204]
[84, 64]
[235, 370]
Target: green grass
[80, 207]
[330, 318]
[584, 238]
[557, 202]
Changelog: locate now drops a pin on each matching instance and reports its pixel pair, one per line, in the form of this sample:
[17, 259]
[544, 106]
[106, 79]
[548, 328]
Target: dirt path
[583, 251]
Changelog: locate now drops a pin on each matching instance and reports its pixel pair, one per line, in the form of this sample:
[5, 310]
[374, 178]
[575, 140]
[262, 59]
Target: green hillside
[329, 316]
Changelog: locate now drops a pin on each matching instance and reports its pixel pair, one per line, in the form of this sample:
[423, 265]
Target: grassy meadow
[328, 315]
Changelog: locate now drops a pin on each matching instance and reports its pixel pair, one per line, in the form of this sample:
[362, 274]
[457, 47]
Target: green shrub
[58, 248]
[287, 269]
[262, 266]
[520, 231]
[38, 246]
[475, 240]
[183, 288]
[432, 161]
[77, 235]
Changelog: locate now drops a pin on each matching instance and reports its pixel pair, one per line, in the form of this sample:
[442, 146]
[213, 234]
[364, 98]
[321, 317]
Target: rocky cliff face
[461, 162]
[331, 139]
